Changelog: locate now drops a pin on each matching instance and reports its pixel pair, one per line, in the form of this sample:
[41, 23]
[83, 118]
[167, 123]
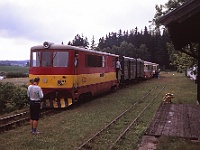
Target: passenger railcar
[69, 73]
[148, 69]
[155, 69]
[132, 69]
[128, 68]
[140, 68]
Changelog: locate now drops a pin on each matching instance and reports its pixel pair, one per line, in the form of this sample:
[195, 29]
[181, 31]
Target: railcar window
[60, 59]
[46, 59]
[94, 61]
[35, 59]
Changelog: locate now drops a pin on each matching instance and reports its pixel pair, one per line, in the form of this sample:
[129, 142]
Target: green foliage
[165, 8]
[20, 98]
[128, 49]
[12, 97]
[147, 45]
[14, 69]
[181, 61]
[2, 98]
[16, 75]
[178, 59]
[79, 41]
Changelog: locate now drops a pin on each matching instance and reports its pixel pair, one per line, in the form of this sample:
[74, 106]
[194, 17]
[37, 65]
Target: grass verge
[71, 127]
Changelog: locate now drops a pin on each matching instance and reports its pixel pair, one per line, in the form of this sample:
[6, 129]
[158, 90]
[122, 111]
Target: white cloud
[13, 52]
[26, 22]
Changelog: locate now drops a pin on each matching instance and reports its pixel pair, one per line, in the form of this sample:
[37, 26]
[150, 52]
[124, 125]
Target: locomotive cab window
[60, 59]
[35, 60]
[46, 59]
[41, 59]
[95, 61]
[49, 59]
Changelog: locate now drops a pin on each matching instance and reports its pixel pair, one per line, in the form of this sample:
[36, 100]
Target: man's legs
[31, 123]
[35, 123]
[117, 72]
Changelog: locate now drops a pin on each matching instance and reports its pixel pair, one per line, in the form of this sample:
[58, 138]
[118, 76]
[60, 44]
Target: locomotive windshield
[50, 59]
[60, 59]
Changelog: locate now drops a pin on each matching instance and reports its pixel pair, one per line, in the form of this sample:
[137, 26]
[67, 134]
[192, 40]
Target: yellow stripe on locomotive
[69, 83]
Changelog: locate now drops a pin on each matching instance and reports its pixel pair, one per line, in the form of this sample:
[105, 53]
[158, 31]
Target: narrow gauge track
[119, 126]
[10, 122]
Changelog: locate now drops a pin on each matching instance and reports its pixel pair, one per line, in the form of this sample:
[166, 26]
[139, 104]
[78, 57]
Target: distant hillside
[13, 62]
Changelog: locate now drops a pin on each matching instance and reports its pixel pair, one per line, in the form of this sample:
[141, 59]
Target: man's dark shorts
[34, 110]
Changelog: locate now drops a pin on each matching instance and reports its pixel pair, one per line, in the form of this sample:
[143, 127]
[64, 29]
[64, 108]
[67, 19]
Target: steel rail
[114, 120]
[124, 132]
[8, 122]
[12, 117]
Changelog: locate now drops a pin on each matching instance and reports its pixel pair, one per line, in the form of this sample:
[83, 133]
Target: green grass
[16, 81]
[14, 69]
[71, 127]
[184, 90]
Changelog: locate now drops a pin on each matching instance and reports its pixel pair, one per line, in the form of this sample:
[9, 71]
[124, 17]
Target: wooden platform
[177, 120]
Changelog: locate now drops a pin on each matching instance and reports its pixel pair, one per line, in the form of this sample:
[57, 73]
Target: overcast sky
[25, 23]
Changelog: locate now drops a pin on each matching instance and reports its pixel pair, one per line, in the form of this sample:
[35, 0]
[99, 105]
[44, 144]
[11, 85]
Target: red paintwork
[74, 93]
[70, 70]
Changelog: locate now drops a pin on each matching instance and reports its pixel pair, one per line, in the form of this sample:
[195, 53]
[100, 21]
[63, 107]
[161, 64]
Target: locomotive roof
[69, 47]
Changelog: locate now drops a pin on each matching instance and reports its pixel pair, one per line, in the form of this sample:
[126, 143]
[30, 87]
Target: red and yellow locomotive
[69, 73]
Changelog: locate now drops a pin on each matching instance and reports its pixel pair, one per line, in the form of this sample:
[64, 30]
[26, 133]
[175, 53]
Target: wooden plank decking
[177, 120]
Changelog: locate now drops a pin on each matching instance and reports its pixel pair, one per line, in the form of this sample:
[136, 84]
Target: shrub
[20, 98]
[16, 75]
[2, 98]
[12, 97]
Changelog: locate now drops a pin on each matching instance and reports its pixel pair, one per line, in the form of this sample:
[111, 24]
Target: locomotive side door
[76, 63]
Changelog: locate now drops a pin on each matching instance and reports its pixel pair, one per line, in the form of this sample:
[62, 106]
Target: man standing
[35, 95]
[118, 68]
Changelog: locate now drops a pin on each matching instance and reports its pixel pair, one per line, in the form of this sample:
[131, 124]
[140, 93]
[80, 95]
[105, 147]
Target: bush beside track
[12, 97]
[13, 88]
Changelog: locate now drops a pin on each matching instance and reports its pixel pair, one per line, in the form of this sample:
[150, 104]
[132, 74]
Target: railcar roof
[129, 58]
[140, 60]
[69, 47]
[148, 62]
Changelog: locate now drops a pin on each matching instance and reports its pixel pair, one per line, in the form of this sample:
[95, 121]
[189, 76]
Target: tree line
[147, 45]
[151, 44]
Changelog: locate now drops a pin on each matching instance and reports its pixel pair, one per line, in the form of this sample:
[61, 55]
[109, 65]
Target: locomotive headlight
[47, 44]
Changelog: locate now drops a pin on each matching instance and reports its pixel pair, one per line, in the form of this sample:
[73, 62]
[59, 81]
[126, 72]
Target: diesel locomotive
[68, 73]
